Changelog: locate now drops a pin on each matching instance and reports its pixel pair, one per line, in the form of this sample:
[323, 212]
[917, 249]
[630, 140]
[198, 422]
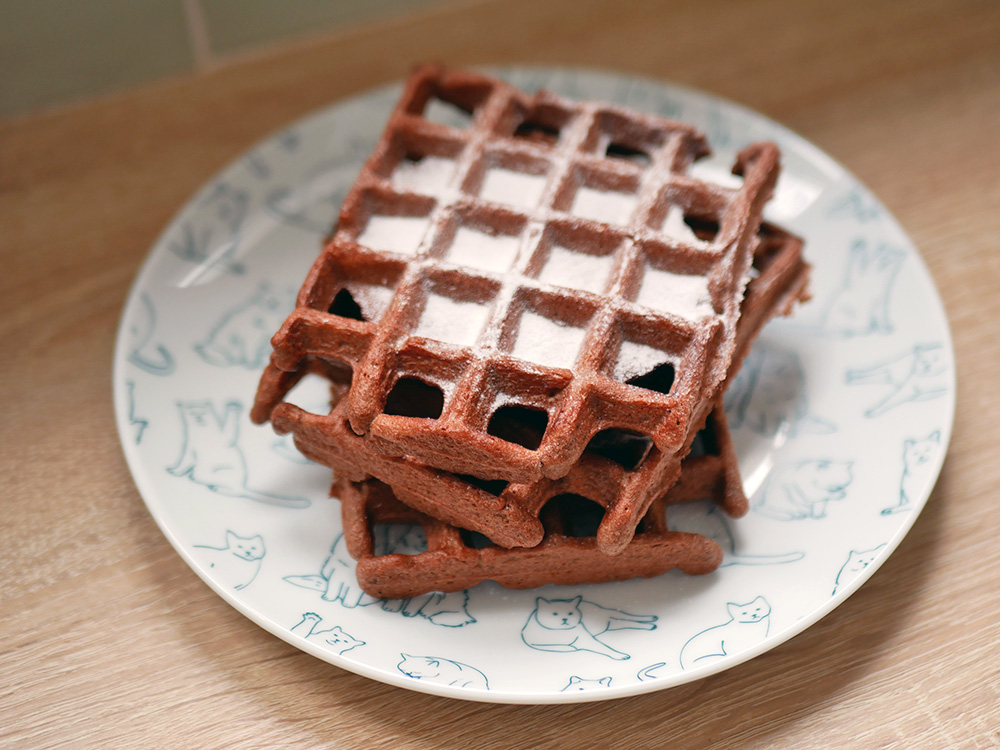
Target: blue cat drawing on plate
[842, 414]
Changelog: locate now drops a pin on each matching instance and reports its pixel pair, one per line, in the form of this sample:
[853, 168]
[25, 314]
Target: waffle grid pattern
[576, 151]
[509, 513]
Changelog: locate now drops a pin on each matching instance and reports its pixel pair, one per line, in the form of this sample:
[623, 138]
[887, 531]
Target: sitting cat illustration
[212, 457]
[917, 375]
[747, 626]
[570, 625]
[242, 337]
[803, 489]
[707, 519]
[917, 455]
[580, 685]
[210, 239]
[338, 583]
[442, 671]
[235, 565]
[861, 304]
[768, 395]
[333, 639]
[313, 202]
[146, 354]
[856, 562]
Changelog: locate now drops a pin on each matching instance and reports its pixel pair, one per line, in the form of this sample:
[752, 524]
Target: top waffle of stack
[531, 273]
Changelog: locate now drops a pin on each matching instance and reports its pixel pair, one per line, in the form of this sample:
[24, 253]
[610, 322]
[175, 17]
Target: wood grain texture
[109, 640]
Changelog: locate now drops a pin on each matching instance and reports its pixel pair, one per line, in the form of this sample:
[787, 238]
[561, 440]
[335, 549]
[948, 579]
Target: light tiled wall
[59, 51]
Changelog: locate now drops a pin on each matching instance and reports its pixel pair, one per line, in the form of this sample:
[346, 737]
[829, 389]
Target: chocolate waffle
[568, 554]
[508, 514]
[506, 294]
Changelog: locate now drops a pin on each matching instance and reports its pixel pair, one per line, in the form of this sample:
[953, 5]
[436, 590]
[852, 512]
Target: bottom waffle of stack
[568, 554]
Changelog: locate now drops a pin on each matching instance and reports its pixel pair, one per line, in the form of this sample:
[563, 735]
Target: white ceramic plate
[842, 417]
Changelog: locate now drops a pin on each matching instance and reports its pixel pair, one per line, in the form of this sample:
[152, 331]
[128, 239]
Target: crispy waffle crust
[498, 366]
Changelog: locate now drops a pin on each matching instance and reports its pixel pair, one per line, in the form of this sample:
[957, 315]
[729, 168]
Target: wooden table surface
[110, 640]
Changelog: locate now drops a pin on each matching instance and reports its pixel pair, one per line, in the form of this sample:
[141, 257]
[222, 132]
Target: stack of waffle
[528, 312]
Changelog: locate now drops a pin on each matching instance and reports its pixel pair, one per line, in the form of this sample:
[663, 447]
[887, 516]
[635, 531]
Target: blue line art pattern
[242, 336]
[333, 639]
[147, 354]
[336, 582]
[856, 562]
[768, 395]
[707, 519]
[234, 565]
[211, 454]
[138, 424]
[920, 374]
[861, 304]
[212, 240]
[804, 489]
[747, 626]
[582, 684]
[856, 205]
[442, 672]
[569, 625]
[918, 456]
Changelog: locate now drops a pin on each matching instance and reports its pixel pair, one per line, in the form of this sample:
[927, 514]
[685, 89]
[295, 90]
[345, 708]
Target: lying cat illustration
[707, 519]
[242, 337]
[768, 395]
[570, 625]
[861, 304]
[333, 639]
[442, 671]
[803, 489]
[747, 626]
[580, 685]
[147, 354]
[237, 563]
[212, 457]
[210, 239]
[856, 562]
[338, 583]
[917, 375]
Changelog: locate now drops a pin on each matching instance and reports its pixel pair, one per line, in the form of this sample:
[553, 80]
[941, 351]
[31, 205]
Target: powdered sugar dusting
[546, 342]
[637, 359]
[371, 298]
[429, 175]
[512, 188]
[606, 206]
[394, 234]
[453, 322]
[576, 270]
[674, 226]
[488, 252]
[679, 294]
